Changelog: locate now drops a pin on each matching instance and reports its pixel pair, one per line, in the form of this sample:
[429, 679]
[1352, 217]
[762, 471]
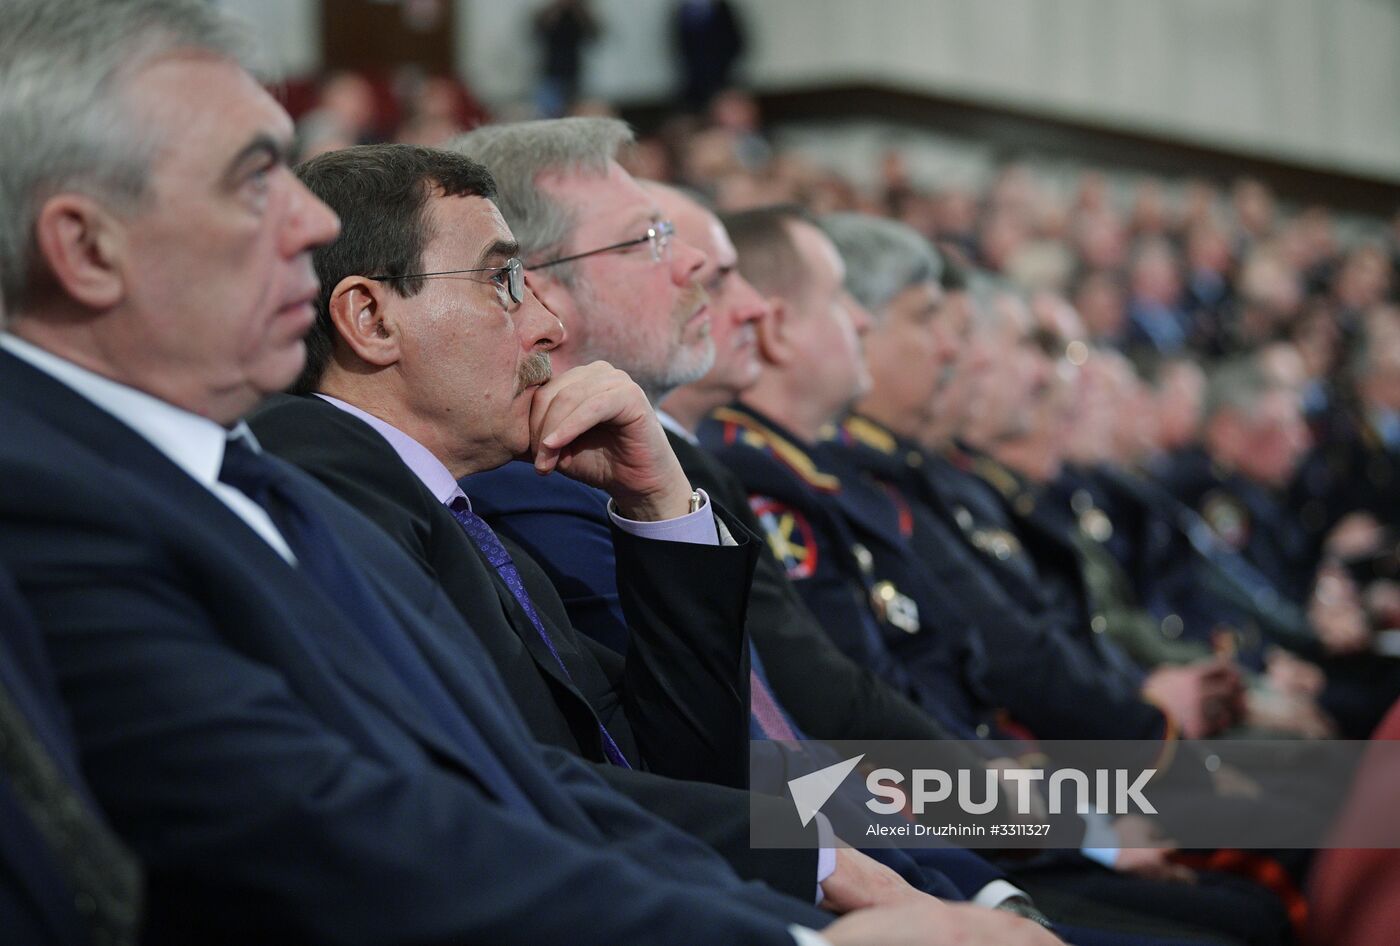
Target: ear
[775, 332]
[84, 246]
[358, 312]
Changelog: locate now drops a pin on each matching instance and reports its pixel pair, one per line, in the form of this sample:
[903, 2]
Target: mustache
[691, 302]
[536, 369]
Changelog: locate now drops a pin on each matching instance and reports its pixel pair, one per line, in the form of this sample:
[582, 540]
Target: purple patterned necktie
[486, 541]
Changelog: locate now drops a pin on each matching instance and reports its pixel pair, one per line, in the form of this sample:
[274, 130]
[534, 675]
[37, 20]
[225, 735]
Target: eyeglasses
[510, 277]
[658, 235]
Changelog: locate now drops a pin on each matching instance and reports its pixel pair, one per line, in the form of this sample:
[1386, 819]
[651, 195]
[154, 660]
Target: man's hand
[1357, 535]
[1290, 713]
[932, 922]
[593, 424]
[1293, 675]
[1336, 611]
[1201, 697]
[1153, 863]
[860, 881]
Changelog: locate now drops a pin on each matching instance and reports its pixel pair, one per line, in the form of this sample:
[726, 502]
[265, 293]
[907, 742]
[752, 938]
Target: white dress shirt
[195, 444]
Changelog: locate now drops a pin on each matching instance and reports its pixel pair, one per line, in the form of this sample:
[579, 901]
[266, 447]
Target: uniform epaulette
[740, 426]
[959, 458]
[999, 476]
[870, 434]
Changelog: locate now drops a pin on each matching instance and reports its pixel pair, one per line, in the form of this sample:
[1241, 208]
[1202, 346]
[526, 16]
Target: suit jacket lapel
[519, 622]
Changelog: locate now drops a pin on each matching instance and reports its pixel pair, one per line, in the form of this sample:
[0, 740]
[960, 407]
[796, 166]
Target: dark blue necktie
[490, 545]
[321, 557]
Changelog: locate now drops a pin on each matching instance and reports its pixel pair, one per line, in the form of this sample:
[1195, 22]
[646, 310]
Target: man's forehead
[722, 248]
[470, 222]
[816, 249]
[208, 98]
[613, 196]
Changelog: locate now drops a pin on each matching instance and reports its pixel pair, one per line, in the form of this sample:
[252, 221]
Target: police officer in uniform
[1253, 441]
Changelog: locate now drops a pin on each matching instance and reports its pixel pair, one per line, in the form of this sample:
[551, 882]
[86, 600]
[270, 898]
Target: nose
[749, 304]
[540, 328]
[861, 319]
[310, 223]
[687, 260]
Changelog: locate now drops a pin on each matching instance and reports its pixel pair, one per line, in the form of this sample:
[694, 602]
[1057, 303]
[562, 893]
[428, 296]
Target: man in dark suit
[277, 708]
[676, 704]
[65, 880]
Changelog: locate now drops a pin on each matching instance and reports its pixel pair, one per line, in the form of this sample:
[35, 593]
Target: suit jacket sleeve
[850, 701]
[675, 609]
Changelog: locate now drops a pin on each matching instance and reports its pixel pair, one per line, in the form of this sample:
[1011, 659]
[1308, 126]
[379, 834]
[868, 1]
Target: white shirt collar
[192, 442]
[674, 426]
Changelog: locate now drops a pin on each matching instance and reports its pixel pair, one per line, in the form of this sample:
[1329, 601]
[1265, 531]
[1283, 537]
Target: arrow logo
[811, 791]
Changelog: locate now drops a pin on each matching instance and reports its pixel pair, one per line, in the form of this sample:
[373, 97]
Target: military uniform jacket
[1045, 679]
[1247, 518]
[1356, 468]
[842, 547]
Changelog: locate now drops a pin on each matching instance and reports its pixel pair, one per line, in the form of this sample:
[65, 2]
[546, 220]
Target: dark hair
[768, 257]
[381, 193]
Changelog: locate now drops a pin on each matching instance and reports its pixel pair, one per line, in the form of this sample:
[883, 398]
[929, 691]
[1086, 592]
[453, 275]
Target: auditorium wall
[1311, 81]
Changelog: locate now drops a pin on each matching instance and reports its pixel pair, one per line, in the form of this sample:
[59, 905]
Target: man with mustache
[415, 390]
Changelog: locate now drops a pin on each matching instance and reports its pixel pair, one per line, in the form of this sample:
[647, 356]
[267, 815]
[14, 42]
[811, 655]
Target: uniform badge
[1093, 521]
[1227, 517]
[790, 536]
[894, 608]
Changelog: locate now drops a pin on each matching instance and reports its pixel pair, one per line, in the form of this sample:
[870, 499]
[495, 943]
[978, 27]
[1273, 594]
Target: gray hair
[1236, 384]
[883, 258]
[518, 153]
[63, 68]
[986, 288]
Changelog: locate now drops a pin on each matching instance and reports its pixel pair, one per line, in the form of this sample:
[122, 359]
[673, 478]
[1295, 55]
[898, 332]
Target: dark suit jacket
[36, 896]
[673, 704]
[279, 780]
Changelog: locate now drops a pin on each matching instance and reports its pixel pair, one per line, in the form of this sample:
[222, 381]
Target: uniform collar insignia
[758, 434]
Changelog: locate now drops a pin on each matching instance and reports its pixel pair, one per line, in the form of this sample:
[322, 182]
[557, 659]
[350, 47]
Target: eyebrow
[500, 248]
[642, 218]
[262, 144]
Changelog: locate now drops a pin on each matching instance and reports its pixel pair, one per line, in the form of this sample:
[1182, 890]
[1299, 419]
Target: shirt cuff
[805, 937]
[998, 892]
[697, 528]
[826, 855]
[1100, 842]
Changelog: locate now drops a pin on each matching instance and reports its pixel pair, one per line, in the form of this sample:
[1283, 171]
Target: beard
[658, 362]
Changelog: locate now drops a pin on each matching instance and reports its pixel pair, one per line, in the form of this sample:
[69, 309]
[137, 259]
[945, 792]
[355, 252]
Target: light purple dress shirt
[697, 528]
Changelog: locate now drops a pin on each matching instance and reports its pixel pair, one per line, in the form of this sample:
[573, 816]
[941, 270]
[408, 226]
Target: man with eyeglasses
[415, 387]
